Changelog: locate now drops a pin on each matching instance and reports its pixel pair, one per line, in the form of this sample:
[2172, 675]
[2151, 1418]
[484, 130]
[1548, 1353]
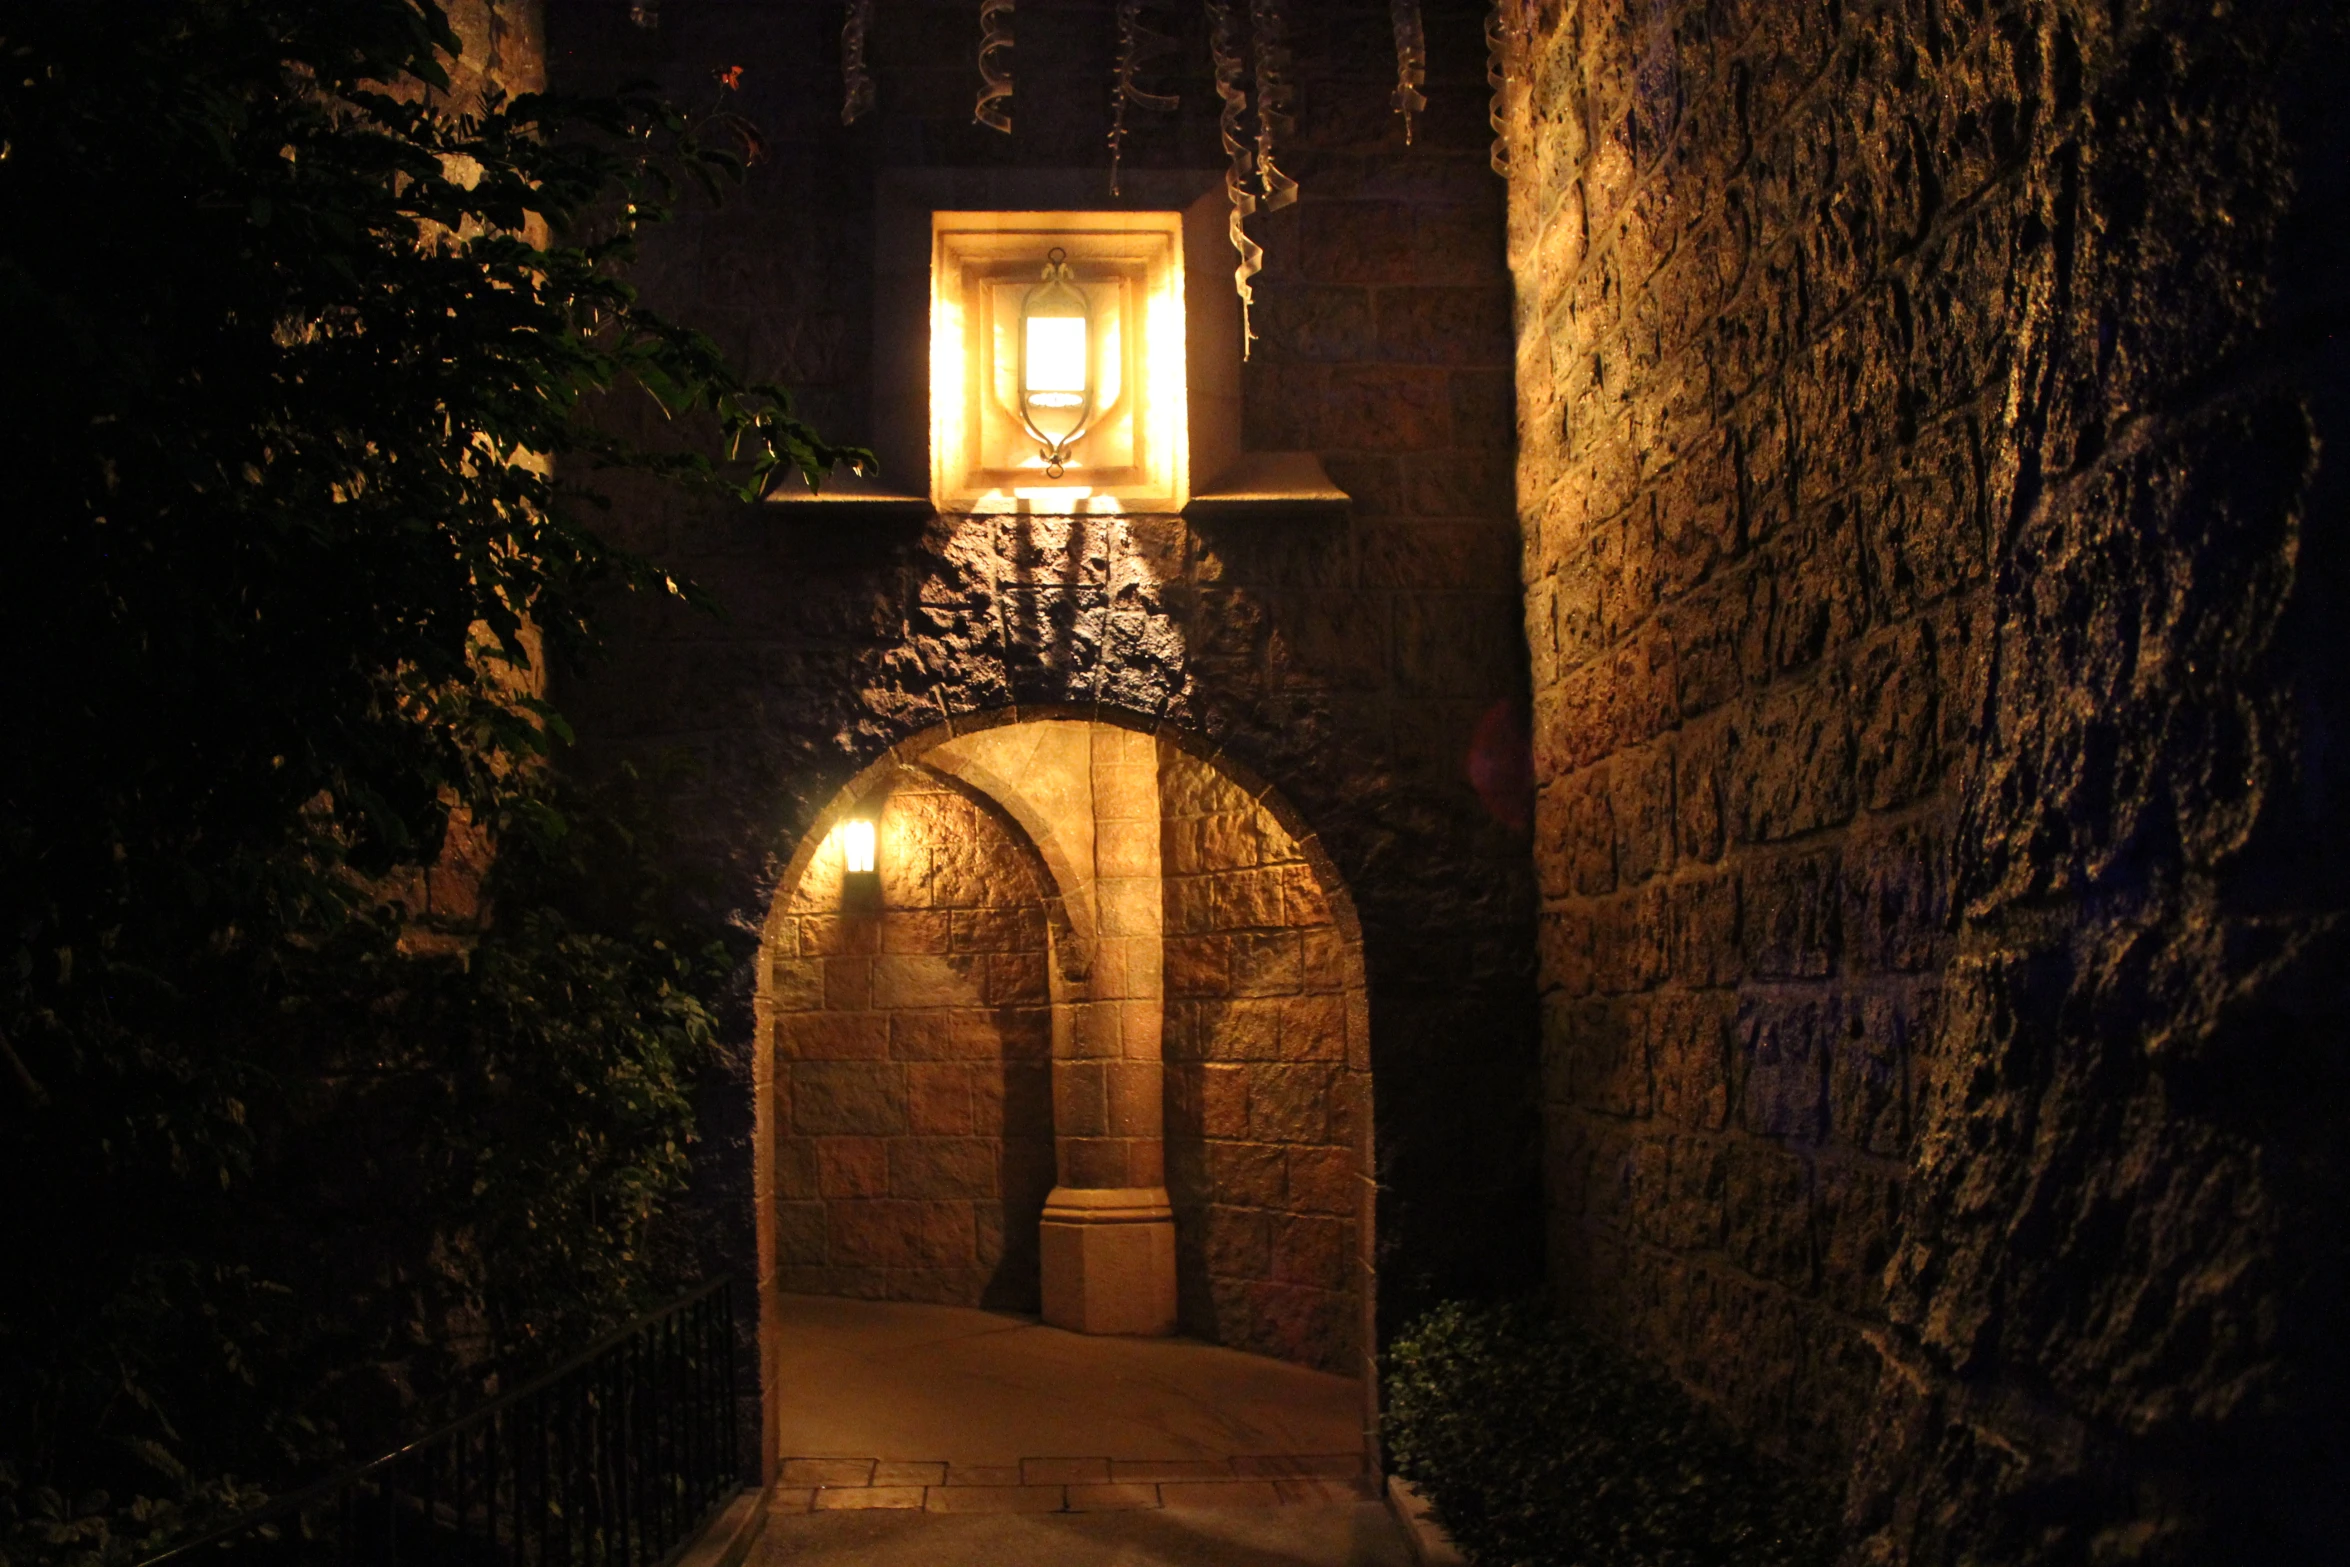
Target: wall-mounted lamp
[1060, 389]
[1056, 363]
[857, 846]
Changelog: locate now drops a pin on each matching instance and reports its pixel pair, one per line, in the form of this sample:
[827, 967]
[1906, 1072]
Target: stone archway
[1103, 961]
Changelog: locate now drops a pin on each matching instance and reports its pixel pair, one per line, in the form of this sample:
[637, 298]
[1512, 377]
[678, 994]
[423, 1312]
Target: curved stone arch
[913, 753]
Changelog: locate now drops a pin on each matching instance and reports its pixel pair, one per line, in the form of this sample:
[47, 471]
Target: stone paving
[967, 1424]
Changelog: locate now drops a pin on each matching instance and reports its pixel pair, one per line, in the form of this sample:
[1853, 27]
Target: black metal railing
[617, 1458]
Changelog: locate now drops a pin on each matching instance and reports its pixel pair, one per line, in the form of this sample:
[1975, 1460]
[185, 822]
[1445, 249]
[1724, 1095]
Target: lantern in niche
[1056, 363]
[857, 846]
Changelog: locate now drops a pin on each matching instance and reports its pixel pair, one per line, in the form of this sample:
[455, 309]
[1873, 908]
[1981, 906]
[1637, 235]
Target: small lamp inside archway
[860, 858]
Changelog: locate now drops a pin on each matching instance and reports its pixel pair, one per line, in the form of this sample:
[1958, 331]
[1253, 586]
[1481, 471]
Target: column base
[1108, 1256]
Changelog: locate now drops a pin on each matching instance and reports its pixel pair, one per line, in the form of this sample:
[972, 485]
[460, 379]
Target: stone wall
[912, 1041]
[1929, 550]
[1265, 1099]
[1347, 662]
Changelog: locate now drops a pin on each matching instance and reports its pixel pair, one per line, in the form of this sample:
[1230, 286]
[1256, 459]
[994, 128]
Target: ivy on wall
[305, 1144]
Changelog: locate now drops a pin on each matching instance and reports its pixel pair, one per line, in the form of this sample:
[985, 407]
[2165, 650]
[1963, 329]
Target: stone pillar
[1108, 1238]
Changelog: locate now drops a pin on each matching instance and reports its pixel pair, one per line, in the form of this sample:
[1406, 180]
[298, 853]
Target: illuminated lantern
[1056, 363]
[856, 844]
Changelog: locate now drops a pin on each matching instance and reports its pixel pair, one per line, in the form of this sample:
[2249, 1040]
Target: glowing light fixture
[1057, 346]
[1056, 363]
[856, 846]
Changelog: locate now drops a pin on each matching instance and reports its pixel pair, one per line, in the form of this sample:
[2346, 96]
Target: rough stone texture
[1933, 584]
[1347, 663]
[912, 1063]
[1264, 1096]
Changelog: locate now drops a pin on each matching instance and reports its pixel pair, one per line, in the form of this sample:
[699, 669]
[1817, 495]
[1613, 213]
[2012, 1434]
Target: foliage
[302, 367]
[1541, 1446]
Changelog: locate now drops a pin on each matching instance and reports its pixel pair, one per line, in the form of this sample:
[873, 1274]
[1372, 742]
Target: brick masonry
[1926, 540]
[912, 1063]
[1267, 1081]
[1345, 663]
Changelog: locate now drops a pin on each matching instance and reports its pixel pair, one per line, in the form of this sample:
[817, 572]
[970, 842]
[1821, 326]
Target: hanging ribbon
[1136, 43]
[1224, 49]
[995, 65]
[1411, 62]
[856, 79]
[1268, 33]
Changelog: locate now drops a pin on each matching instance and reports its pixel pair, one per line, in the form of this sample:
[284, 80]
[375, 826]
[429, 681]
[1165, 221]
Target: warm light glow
[1058, 388]
[856, 846]
[1056, 360]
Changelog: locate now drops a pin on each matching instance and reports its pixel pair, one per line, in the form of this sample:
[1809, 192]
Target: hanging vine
[1224, 49]
[995, 66]
[1499, 58]
[1136, 43]
[1411, 62]
[1268, 34]
[856, 78]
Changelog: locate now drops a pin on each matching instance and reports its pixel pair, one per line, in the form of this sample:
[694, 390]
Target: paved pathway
[933, 1436]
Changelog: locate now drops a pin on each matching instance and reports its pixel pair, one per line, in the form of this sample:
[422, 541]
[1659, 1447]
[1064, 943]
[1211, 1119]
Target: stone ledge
[1431, 1546]
[728, 1540]
[1056, 1485]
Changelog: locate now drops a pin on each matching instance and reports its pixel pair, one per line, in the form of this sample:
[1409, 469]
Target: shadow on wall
[912, 1049]
[1094, 955]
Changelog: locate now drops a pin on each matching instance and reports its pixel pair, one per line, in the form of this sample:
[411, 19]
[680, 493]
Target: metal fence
[617, 1458]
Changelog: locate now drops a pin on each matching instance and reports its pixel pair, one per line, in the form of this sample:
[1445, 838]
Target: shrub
[1538, 1444]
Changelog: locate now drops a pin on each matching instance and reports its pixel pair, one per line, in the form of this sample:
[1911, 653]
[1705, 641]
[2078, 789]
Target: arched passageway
[1091, 1038]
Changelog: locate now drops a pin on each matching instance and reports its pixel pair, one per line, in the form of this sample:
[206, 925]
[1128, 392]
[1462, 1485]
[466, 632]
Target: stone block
[1191, 905]
[795, 984]
[965, 1033]
[1238, 1242]
[1019, 928]
[800, 1236]
[1690, 1038]
[852, 1166]
[1011, 979]
[832, 1036]
[942, 1167]
[939, 1100]
[838, 935]
[869, 1498]
[1869, 1069]
[914, 931]
[995, 1499]
[1248, 899]
[898, 1233]
[1107, 1275]
[907, 980]
[1325, 1181]
[847, 1098]
[848, 984]
[1246, 1030]
[1313, 1028]
[1311, 1251]
[1859, 1225]
[1266, 964]
[1290, 1103]
[1788, 911]
[1705, 932]
[1249, 1173]
[1767, 1211]
[1198, 966]
[1781, 1064]
[1324, 954]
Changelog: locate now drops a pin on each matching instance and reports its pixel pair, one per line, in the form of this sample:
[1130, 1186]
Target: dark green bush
[1540, 1445]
